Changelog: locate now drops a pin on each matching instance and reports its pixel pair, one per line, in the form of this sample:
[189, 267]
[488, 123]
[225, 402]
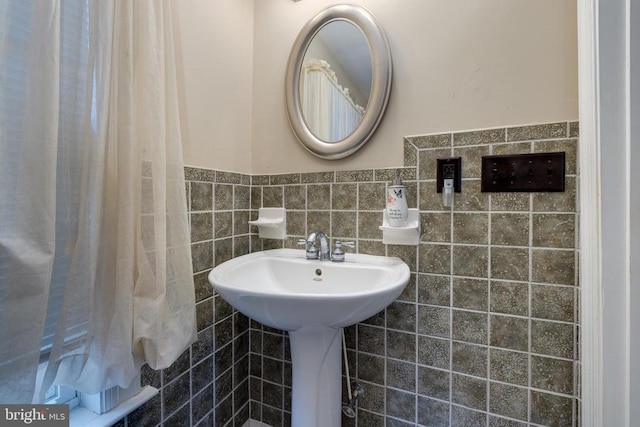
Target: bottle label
[397, 212]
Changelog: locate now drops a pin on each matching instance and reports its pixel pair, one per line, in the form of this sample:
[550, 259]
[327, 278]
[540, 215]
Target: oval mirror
[338, 81]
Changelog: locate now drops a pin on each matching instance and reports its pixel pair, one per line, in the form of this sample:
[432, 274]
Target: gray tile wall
[485, 333]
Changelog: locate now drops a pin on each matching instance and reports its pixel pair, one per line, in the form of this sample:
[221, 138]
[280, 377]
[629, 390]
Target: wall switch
[449, 168]
[537, 172]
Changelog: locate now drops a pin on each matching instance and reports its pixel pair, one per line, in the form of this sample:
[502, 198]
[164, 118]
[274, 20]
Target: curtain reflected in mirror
[330, 112]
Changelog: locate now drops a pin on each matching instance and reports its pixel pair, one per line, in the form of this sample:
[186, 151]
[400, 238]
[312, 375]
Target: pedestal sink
[313, 301]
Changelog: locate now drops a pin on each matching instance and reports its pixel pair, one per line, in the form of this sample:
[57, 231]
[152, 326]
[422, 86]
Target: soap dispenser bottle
[397, 208]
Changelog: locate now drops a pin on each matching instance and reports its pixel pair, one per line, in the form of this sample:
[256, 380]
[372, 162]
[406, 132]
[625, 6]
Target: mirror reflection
[335, 81]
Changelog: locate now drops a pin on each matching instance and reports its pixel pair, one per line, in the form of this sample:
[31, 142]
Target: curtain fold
[327, 107]
[27, 228]
[95, 227]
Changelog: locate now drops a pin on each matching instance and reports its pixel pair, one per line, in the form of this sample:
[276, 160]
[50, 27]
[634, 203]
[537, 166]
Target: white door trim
[607, 251]
[590, 230]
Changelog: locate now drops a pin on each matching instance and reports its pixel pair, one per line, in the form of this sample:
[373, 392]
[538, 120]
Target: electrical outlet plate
[537, 172]
[448, 165]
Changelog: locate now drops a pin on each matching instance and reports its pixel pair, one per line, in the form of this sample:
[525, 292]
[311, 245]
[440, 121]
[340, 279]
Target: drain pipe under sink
[353, 389]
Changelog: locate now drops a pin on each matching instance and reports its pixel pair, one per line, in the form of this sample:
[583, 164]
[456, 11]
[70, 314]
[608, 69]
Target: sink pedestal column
[316, 374]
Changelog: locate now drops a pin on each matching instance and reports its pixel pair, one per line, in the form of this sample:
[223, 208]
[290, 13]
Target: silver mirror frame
[380, 86]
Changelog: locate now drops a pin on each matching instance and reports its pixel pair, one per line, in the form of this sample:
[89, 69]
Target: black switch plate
[450, 167]
[536, 172]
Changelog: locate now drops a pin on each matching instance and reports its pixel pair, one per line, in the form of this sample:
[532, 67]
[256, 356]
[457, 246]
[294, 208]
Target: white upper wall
[215, 67]
[457, 65]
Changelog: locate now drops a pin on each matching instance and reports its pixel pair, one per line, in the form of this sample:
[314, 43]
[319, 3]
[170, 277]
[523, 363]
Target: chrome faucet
[324, 253]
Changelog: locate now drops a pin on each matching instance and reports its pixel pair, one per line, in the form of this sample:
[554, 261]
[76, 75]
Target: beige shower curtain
[95, 260]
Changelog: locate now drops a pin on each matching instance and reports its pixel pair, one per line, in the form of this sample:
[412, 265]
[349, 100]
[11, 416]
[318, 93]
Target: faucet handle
[312, 252]
[338, 254]
[351, 245]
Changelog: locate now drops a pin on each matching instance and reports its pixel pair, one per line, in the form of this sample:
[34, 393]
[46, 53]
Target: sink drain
[318, 274]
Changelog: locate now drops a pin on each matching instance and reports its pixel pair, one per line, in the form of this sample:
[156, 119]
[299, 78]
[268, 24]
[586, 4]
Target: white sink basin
[282, 289]
[313, 300]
